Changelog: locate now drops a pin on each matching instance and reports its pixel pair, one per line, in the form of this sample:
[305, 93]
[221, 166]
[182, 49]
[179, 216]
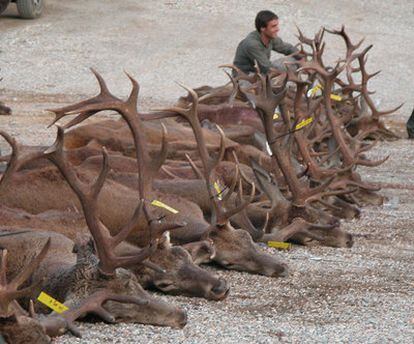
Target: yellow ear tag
[218, 190]
[52, 303]
[276, 115]
[304, 123]
[279, 244]
[336, 97]
[313, 90]
[163, 205]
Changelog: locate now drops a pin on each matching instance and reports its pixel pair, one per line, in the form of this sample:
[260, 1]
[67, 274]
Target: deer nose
[349, 243]
[281, 271]
[180, 318]
[220, 290]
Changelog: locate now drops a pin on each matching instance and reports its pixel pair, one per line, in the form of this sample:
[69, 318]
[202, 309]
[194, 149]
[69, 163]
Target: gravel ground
[363, 294]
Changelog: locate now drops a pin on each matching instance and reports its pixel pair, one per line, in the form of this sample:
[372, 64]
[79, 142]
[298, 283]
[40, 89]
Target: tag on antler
[313, 90]
[336, 97]
[276, 115]
[159, 204]
[304, 123]
[52, 303]
[280, 245]
[269, 151]
[218, 190]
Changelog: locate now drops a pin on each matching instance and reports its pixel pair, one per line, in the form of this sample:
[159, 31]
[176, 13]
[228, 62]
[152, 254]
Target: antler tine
[242, 174]
[133, 96]
[229, 213]
[126, 229]
[57, 324]
[364, 89]
[105, 243]
[267, 100]
[29, 269]
[191, 115]
[239, 72]
[194, 167]
[194, 98]
[157, 228]
[17, 159]
[233, 185]
[93, 304]
[319, 36]
[159, 160]
[240, 75]
[86, 108]
[100, 180]
[350, 47]
[246, 224]
[9, 291]
[222, 147]
[319, 197]
[213, 92]
[101, 82]
[235, 90]
[371, 163]
[269, 186]
[219, 217]
[128, 111]
[302, 37]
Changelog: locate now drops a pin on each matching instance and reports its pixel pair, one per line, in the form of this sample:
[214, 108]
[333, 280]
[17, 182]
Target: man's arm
[283, 47]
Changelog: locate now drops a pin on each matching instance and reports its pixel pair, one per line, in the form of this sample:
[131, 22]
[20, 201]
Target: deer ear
[164, 242]
[83, 241]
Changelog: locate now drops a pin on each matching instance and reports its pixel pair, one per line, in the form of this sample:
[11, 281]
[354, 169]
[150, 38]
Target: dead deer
[20, 326]
[102, 272]
[71, 273]
[234, 248]
[120, 206]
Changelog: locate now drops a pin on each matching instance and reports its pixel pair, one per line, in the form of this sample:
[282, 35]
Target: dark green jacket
[252, 48]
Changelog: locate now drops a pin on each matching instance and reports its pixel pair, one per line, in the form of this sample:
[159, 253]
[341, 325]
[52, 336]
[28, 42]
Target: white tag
[269, 151]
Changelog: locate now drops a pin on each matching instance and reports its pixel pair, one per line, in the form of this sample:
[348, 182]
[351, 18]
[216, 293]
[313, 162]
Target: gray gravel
[359, 295]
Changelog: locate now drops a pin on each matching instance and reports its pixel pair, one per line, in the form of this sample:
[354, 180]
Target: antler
[128, 111]
[105, 243]
[88, 195]
[220, 215]
[18, 158]
[9, 291]
[57, 324]
[266, 101]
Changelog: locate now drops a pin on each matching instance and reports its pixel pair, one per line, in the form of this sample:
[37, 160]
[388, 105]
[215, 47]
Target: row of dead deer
[78, 218]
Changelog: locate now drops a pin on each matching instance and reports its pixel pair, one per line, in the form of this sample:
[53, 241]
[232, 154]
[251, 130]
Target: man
[258, 45]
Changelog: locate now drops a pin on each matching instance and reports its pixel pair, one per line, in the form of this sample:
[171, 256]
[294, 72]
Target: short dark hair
[263, 17]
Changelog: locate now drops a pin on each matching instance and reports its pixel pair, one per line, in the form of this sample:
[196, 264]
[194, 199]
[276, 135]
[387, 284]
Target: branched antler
[220, 215]
[9, 291]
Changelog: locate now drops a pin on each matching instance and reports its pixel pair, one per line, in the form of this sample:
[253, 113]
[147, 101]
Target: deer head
[180, 275]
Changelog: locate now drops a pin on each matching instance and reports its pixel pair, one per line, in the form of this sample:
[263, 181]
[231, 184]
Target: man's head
[267, 23]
